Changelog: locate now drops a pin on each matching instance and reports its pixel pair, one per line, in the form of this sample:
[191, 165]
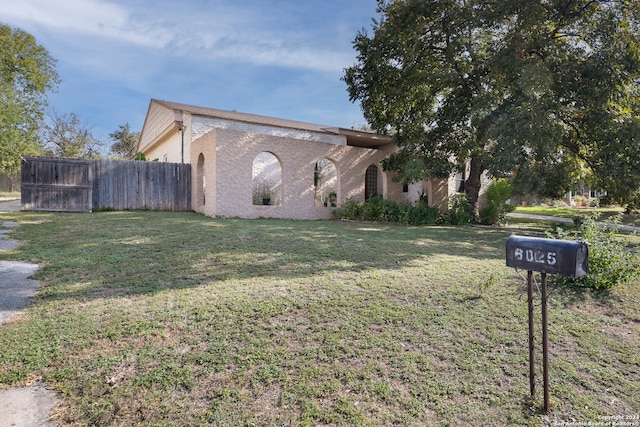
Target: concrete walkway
[15, 287]
[25, 406]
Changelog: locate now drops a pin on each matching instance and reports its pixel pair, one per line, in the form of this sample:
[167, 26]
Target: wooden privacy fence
[82, 185]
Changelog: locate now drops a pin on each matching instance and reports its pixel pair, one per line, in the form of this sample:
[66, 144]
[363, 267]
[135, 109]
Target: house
[252, 166]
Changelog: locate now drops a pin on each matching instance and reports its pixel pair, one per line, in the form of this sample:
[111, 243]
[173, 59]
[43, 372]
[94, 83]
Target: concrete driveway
[9, 205]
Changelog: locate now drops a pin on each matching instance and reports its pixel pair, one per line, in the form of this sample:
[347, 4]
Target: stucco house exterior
[251, 166]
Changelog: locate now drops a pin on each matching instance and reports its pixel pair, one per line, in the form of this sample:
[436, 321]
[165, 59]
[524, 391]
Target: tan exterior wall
[229, 180]
[203, 175]
[223, 179]
[438, 193]
[163, 138]
[158, 119]
[169, 151]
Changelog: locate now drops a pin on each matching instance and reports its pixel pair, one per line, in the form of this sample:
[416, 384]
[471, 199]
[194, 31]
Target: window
[267, 180]
[325, 183]
[460, 178]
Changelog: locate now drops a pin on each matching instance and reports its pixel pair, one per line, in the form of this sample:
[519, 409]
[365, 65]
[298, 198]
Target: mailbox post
[547, 256]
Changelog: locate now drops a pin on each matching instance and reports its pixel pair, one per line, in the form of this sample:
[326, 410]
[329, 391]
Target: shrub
[380, 210]
[350, 209]
[497, 207]
[423, 214]
[610, 261]
[634, 202]
[372, 210]
[490, 215]
[608, 200]
[459, 211]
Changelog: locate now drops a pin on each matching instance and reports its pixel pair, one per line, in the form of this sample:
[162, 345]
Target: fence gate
[55, 184]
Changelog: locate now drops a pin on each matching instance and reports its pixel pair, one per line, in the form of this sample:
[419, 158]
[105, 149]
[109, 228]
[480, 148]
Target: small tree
[497, 195]
[67, 136]
[125, 142]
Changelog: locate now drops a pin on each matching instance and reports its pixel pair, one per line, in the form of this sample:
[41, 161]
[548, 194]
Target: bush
[423, 214]
[634, 202]
[490, 215]
[351, 209]
[380, 210]
[610, 261]
[497, 208]
[459, 211]
[607, 200]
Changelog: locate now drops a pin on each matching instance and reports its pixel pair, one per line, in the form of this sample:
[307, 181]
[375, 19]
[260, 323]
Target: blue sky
[280, 58]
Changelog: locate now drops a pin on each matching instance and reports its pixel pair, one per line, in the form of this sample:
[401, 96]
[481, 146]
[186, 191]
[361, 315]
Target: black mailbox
[563, 257]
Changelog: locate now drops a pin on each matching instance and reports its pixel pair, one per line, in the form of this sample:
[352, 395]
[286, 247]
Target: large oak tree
[505, 86]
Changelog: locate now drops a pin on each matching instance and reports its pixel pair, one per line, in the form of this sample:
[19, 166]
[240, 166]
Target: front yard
[179, 319]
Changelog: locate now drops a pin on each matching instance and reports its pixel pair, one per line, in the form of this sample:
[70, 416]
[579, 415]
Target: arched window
[201, 184]
[267, 180]
[325, 183]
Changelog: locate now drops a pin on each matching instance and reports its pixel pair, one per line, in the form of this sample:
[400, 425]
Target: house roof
[357, 138]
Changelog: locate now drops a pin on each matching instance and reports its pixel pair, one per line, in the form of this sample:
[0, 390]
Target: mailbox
[563, 257]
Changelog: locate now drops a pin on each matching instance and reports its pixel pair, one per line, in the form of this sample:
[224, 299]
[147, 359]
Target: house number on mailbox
[537, 256]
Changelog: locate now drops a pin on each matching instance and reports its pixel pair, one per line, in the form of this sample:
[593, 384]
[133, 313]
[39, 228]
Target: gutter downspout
[180, 126]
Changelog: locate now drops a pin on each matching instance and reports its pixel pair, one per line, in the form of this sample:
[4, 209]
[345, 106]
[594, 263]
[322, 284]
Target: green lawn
[567, 212]
[606, 213]
[178, 319]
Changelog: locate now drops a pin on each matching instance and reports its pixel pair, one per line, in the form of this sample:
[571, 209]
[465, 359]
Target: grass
[567, 212]
[147, 318]
[603, 213]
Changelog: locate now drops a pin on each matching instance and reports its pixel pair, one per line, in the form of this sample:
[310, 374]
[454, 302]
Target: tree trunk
[472, 186]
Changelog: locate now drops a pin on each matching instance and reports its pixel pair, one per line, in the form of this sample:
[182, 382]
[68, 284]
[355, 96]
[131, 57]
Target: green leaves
[510, 83]
[125, 142]
[497, 208]
[27, 72]
[67, 136]
[611, 262]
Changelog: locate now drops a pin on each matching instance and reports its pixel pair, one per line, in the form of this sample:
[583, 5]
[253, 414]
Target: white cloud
[277, 53]
[81, 18]
[217, 32]
[275, 57]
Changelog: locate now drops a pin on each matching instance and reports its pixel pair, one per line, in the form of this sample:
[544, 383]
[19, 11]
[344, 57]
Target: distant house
[251, 166]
